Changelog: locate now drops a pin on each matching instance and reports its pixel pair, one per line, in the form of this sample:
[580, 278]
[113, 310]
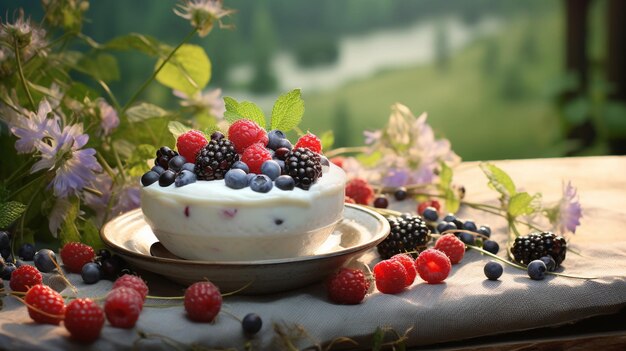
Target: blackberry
[215, 159]
[304, 166]
[533, 246]
[163, 157]
[408, 234]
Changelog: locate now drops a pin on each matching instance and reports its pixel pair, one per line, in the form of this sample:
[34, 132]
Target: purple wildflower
[210, 101]
[567, 213]
[31, 129]
[108, 117]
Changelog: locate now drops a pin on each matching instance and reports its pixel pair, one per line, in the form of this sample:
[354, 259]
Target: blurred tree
[316, 49]
[512, 85]
[442, 46]
[616, 72]
[341, 124]
[491, 57]
[264, 43]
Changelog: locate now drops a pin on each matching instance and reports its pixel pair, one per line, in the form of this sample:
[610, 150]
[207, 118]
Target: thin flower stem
[110, 94]
[156, 72]
[105, 165]
[118, 161]
[20, 71]
[345, 150]
[19, 171]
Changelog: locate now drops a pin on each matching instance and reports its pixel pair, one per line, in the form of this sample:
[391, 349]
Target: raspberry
[433, 266]
[409, 264]
[44, 299]
[134, 282]
[338, 161]
[254, 156]
[84, 320]
[122, 307]
[390, 276]
[347, 286]
[190, 143]
[430, 203]
[75, 255]
[349, 200]
[359, 190]
[203, 301]
[244, 133]
[310, 141]
[24, 277]
[452, 247]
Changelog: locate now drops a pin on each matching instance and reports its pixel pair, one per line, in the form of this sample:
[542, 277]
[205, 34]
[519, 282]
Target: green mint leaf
[177, 128]
[189, 70]
[144, 111]
[522, 204]
[232, 116]
[287, 111]
[251, 111]
[10, 212]
[68, 231]
[499, 180]
[231, 104]
[137, 165]
[327, 139]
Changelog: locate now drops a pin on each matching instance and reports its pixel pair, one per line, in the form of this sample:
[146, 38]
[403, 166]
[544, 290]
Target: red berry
[25, 277]
[254, 156]
[347, 286]
[75, 255]
[310, 141]
[452, 247]
[409, 264]
[189, 143]
[122, 307]
[381, 202]
[203, 301]
[44, 299]
[433, 266]
[390, 276]
[84, 320]
[133, 282]
[360, 191]
[338, 161]
[349, 200]
[243, 133]
[430, 203]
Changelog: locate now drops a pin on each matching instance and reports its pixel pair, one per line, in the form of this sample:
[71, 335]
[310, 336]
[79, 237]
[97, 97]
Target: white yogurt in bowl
[208, 221]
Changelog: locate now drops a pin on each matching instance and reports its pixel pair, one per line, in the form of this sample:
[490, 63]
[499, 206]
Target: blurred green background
[492, 74]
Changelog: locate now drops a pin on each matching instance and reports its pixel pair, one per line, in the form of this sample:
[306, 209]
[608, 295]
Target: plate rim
[378, 237]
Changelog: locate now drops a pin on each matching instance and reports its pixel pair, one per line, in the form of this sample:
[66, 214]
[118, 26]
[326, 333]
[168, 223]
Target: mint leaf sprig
[286, 113]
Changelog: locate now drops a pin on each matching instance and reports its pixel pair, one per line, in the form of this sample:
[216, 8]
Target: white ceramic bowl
[208, 221]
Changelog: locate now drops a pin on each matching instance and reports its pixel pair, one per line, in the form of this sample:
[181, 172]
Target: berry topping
[408, 234]
[261, 183]
[390, 276]
[236, 179]
[134, 282]
[176, 163]
[203, 301]
[25, 277]
[311, 142]
[241, 165]
[84, 320]
[347, 286]
[251, 323]
[122, 307]
[44, 299]
[217, 135]
[150, 177]
[215, 159]
[75, 255]
[285, 182]
[537, 270]
[452, 247]
[433, 266]
[271, 169]
[304, 166]
[409, 264]
[185, 177]
[164, 154]
[45, 260]
[275, 138]
[244, 133]
[167, 178]
[360, 191]
[531, 247]
[381, 202]
[158, 169]
[493, 270]
[254, 156]
[190, 143]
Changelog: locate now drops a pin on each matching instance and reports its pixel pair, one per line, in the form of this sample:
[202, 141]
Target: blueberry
[19, 263]
[185, 177]
[167, 178]
[26, 252]
[443, 226]
[91, 273]
[281, 153]
[450, 217]
[158, 169]
[430, 214]
[400, 194]
[104, 254]
[176, 163]
[45, 260]
[285, 182]
[470, 225]
[217, 136]
[261, 183]
[458, 223]
[381, 202]
[236, 178]
[491, 246]
[537, 270]
[251, 323]
[493, 270]
[271, 169]
[150, 177]
[285, 143]
[5, 242]
[250, 176]
[241, 165]
[467, 238]
[274, 139]
[5, 252]
[484, 230]
[281, 163]
[549, 262]
[112, 267]
[189, 167]
[8, 269]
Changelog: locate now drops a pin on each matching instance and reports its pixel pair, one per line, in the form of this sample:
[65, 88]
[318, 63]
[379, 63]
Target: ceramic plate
[361, 229]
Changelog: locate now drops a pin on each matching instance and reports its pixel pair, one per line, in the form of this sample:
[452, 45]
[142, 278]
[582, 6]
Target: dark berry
[215, 159]
[5, 252]
[430, 214]
[185, 177]
[261, 183]
[281, 153]
[271, 169]
[285, 144]
[5, 242]
[104, 254]
[491, 246]
[537, 270]
[27, 252]
[324, 161]
[400, 194]
[8, 269]
[167, 178]
[217, 136]
[164, 154]
[304, 166]
[113, 267]
[189, 166]
[484, 230]
[470, 225]
[549, 262]
[285, 182]
[241, 165]
[408, 234]
[91, 273]
[532, 247]
[176, 163]
[467, 238]
[45, 260]
[236, 178]
[150, 177]
[381, 202]
[450, 217]
[443, 226]
[158, 169]
[251, 323]
[493, 270]
[274, 139]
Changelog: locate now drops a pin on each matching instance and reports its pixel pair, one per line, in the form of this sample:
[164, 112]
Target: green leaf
[10, 212]
[445, 176]
[91, 235]
[288, 111]
[102, 66]
[69, 231]
[144, 111]
[327, 139]
[452, 201]
[232, 116]
[177, 128]
[377, 339]
[369, 160]
[522, 204]
[499, 180]
[237, 110]
[134, 41]
[137, 165]
[577, 111]
[231, 104]
[189, 70]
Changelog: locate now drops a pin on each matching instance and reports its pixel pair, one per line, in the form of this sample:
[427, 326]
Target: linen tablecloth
[465, 306]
